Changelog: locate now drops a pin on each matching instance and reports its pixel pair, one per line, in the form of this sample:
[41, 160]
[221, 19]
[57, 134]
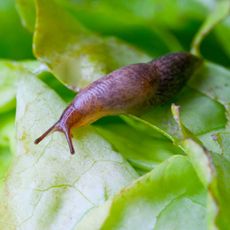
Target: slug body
[127, 90]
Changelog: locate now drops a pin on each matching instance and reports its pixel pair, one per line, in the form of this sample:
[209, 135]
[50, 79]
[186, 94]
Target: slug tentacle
[127, 90]
[69, 140]
[67, 119]
[61, 128]
[52, 129]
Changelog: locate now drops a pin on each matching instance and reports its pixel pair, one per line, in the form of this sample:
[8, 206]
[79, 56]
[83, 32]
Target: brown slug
[126, 90]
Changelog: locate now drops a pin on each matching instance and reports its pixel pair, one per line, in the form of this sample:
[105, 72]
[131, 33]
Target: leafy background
[166, 169]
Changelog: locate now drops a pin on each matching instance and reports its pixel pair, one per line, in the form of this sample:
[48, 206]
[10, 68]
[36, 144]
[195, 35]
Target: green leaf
[222, 31]
[196, 106]
[156, 27]
[210, 95]
[7, 130]
[202, 163]
[191, 113]
[9, 74]
[153, 148]
[213, 170]
[47, 186]
[10, 71]
[26, 10]
[214, 81]
[8, 78]
[156, 41]
[152, 12]
[148, 36]
[153, 26]
[75, 55]
[222, 166]
[198, 155]
[15, 42]
[169, 197]
[5, 162]
[222, 10]
[223, 140]
[7, 144]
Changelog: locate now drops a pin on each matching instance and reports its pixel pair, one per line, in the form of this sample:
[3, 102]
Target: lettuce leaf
[124, 134]
[184, 155]
[26, 10]
[7, 86]
[162, 199]
[15, 41]
[47, 187]
[207, 93]
[221, 11]
[212, 169]
[74, 54]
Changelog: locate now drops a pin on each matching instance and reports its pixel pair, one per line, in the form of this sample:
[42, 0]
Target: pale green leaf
[74, 54]
[5, 162]
[48, 188]
[8, 77]
[162, 199]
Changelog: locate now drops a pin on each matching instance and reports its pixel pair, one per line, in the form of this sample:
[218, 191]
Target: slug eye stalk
[59, 128]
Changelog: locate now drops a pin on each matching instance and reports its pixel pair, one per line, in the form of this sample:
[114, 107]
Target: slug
[127, 90]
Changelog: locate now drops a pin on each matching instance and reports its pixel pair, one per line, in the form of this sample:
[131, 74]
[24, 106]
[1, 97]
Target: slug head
[64, 124]
[58, 127]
